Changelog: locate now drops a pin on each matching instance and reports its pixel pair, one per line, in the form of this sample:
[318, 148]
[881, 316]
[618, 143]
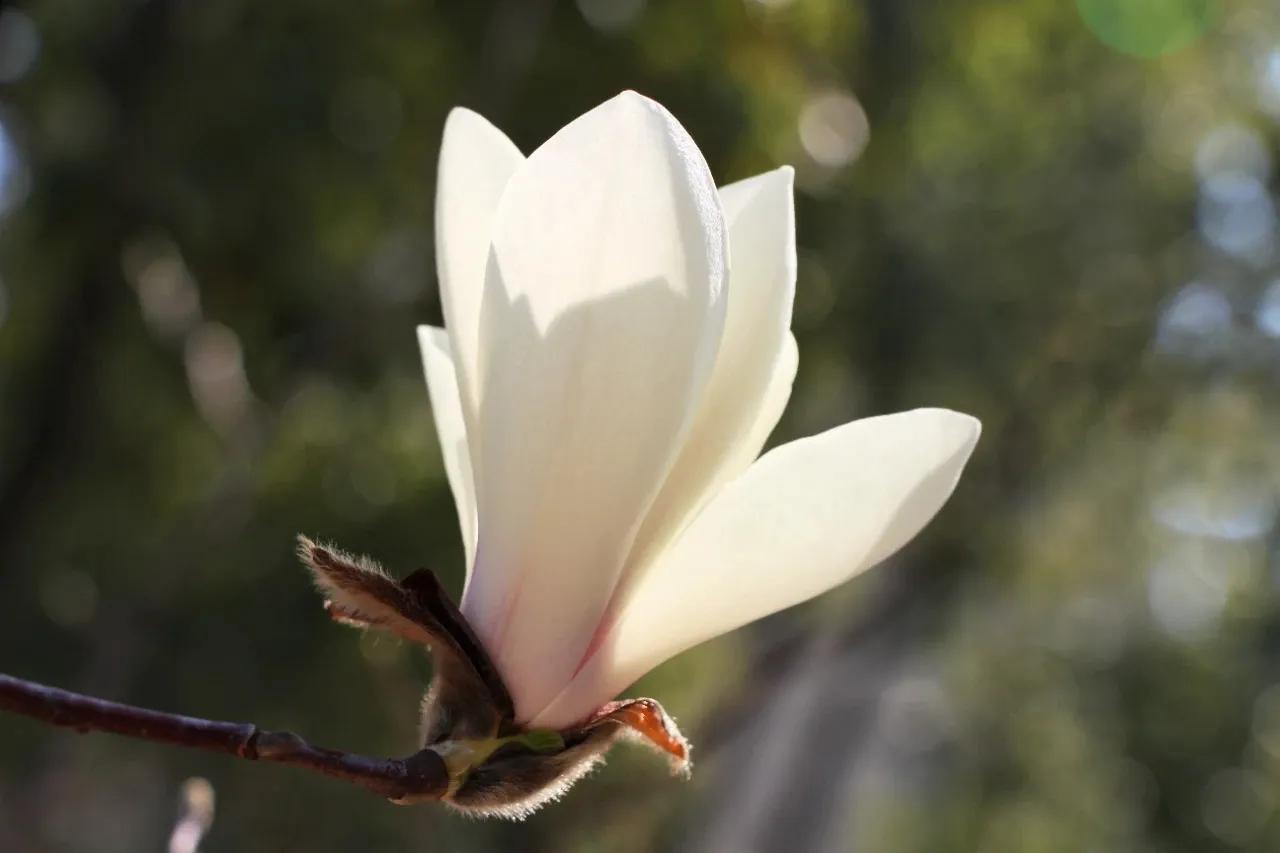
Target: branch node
[272, 746]
[248, 748]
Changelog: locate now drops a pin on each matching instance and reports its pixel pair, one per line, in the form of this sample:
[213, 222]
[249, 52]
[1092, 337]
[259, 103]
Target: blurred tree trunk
[102, 207]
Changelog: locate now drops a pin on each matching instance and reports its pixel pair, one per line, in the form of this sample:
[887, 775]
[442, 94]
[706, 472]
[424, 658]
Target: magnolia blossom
[616, 351]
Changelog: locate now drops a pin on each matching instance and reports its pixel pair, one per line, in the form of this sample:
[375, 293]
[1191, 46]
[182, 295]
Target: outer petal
[476, 161]
[776, 394]
[751, 382]
[446, 409]
[603, 309]
[806, 517]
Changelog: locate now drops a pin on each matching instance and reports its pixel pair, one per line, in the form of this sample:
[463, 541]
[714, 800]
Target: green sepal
[463, 755]
[539, 740]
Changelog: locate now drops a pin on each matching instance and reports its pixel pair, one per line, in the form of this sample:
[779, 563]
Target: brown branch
[419, 777]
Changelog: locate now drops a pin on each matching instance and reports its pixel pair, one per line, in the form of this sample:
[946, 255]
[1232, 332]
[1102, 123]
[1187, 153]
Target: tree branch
[421, 776]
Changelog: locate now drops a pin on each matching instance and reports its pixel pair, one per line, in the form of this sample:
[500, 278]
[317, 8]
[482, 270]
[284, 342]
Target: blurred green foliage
[215, 240]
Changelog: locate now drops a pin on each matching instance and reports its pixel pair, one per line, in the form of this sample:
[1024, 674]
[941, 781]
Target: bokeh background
[215, 241]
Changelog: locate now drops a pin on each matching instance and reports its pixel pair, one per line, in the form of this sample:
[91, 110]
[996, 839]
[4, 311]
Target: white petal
[744, 398]
[446, 409]
[776, 394]
[806, 517]
[476, 161]
[603, 309]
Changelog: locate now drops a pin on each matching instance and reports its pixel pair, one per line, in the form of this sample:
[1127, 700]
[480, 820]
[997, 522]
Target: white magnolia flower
[616, 352]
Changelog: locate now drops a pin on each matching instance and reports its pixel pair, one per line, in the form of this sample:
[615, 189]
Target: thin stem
[419, 777]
